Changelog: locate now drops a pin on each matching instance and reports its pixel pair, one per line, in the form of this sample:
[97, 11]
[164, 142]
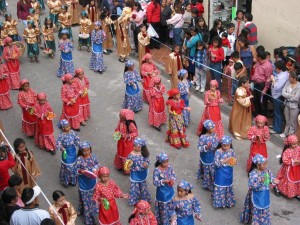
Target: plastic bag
[152, 32]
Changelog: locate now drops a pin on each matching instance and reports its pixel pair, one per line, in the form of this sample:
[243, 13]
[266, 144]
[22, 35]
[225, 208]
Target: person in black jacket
[216, 30]
[202, 29]
[165, 14]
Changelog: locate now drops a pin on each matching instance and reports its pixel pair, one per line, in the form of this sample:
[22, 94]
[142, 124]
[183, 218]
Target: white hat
[36, 191]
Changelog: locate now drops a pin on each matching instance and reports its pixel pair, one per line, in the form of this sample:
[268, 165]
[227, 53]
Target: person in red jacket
[7, 161]
[198, 5]
[153, 18]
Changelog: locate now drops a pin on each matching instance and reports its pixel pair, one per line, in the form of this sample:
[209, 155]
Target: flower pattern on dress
[82, 87]
[184, 208]
[184, 87]
[65, 140]
[65, 66]
[96, 62]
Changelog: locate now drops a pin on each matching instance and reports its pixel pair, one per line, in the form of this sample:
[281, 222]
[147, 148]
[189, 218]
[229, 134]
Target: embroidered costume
[66, 59]
[66, 213]
[5, 102]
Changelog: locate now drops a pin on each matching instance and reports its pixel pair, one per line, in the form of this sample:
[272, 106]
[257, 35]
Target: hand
[225, 161]
[80, 171]
[208, 145]
[212, 54]
[264, 92]
[125, 196]
[251, 96]
[73, 101]
[262, 179]
[145, 165]
[275, 181]
[221, 100]
[198, 217]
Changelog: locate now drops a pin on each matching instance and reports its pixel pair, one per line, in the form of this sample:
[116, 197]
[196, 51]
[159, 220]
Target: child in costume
[173, 65]
[73, 9]
[31, 36]
[184, 89]
[84, 31]
[10, 25]
[5, 102]
[54, 9]
[144, 42]
[48, 33]
[142, 214]
[65, 21]
[107, 24]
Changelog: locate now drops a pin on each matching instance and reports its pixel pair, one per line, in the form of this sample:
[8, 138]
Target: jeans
[214, 74]
[277, 114]
[200, 75]
[234, 86]
[176, 36]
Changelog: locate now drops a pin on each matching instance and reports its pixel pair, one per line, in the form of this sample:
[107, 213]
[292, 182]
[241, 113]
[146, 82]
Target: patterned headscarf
[185, 185]
[258, 159]
[84, 144]
[42, 96]
[226, 140]
[291, 139]
[84, 13]
[140, 141]
[162, 157]
[98, 23]
[127, 114]
[141, 207]
[67, 77]
[63, 123]
[7, 40]
[78, 71]
[182, 73]
[103, 170]
[214, 83]
[147, 56]
[173, 92]
[261, 119]
[22, 82]
[129, 63]
[208, 124]
[64, 31]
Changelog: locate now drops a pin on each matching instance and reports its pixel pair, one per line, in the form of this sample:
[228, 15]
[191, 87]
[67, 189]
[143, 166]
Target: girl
[28, 160]
[240, 119]
[10, 25]
[258, 135]
[186, 205]
[11, 56]
[44, 135]
[139, 158]
[148, 70]
[27, 101]
[54, 8]
[65, 20]
[98, 36]
[157, 113]
[66, 142]
[144, 41]
[105, 193]
[31, 36]
[93, 13]
[107, 28]
[207, 144]
[200, 69]
[48, 32]
[64, 211]
[3, 35]
[289, 180]
[142, 214]
[203, 29]
[66, 59]
[34, 16]
[5, 102]
[184, 89]
[70, 109]
[87, 166]
[163, 178]
[73, 11]
[133, 98]
[225, 159]
[37, 6]
[176, 135]
[84, 30]
[82, 85]
[257, 203]
[173, 65]
[212, 111]
[127, 131]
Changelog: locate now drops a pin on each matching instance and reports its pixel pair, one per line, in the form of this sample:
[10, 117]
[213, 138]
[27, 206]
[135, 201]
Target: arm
[252, 134]
[97, 194]
[64, 96]
[255, 182]
[150, 12]
[133, 131]
[118, 193]
[241, 99]
[287, 158]
[72, 215]
[220, 55]
[196, 208]
[218, 162]
[58, 144]
[268, 69]
[156, 178]
[10, 160]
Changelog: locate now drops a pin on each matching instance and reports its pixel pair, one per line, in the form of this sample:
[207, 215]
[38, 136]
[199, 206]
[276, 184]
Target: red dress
[258, 138]
[70, 111]
[212, 112]
[149, 219]
[147, 71]
[110, 192]
[27, 101]
[5, 102]
[84, 102]
[13, 65]
[157, 113]
[125, 144]
[44, 135]
[289, 174]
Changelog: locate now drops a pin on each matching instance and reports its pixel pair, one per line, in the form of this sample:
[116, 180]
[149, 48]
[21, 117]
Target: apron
[224, 176]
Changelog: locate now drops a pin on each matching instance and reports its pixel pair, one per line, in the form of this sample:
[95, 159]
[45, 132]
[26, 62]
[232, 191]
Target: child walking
[173, 65]
[142, 214]
[44, 134]
[48, 33]
[27, 158]
[65, 22]
[105, 193]
[212, 110]
[66, 142]
[64, 211]
[87, 165]
[207, 144]
[84, 31]
[5, 102]
[107, 24]
[31, 36]
[98, 36]
[139, 158]
[258, 134]
[164, 178]
[175, 134]
[225, 160]
[54, 9]
[184, 89]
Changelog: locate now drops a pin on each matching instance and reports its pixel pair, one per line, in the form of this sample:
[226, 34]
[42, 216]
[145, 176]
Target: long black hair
[57, 194]
[46, 24]
[128, 122]
[285, 147]
[17, 143]
[144, 151]
[80, 151]
[157, 163]
[253, 166]
[131, 217]
[204, 131]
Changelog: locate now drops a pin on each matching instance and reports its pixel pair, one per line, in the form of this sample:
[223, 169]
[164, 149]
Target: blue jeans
[176, 36]
[234, 86]
[215, 75]
[277, 114]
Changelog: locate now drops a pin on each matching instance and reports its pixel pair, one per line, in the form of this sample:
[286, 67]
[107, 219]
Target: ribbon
[238, 28]
[62, 211]
[178, 60]
[24, 174]
[93, 13]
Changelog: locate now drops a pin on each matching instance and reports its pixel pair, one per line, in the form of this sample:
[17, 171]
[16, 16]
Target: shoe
[297, 197]
[277, 192]
[78, 130]
[197, 88]
[109, 50]
[52, 152]
[106, 53]
[271, 127]
[193, 82]
[158, 128]
[273, 131]
[202, 90]
[282, 135]
[100, 71]
[83, 123]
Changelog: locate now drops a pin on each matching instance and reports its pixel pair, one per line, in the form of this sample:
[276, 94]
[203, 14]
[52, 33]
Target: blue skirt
[187, 220]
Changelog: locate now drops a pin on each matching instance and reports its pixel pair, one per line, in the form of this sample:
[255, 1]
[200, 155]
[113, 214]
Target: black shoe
[106, 53]
[109, 50]
[158, 128]
[277, 192]
[52, 152]
[297, 197]
[100, 71]
[78, 130]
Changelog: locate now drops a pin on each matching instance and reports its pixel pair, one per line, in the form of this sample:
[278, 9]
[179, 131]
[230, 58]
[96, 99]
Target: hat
[7, 14]
[292, 58]
[63, 123]
[127, 114]
[162, 157]
[22, 82]
[84, 13]
[129, 63]
[258, 159]
[103, 170]
[291, 139]
[36, 192]
[173, 92]
[208, 124]
[226, 140]
[30, 22]
[141, 207]
[64, 31]
[7, 40]
[214, 83]
[84, 144]
[147, 56]
[182, 72]
[98, 23]
[140, 141]
[260, 118]
[78, 71]
[185, 185]
[67, 77]
[42, 96]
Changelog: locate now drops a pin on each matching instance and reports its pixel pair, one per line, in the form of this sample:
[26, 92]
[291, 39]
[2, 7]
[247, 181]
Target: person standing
[252, 28]
[23, 7]
[177, 22]
[165, 14]
[238, 22]
[7, 162]
[153, 18]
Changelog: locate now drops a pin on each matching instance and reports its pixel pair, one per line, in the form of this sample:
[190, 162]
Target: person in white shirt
[231, 38]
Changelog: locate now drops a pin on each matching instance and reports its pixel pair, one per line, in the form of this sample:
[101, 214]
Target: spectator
[165, 14]
[187, 17]
[278, 81]
[297, 54]
[198, 4]
[15, 182]
[177, 22]
[238, 22]
[261, 80]
[252, 28]
[216, 30]
[203, 29]
[30, 214]
[291, 93]
[200, 70]
[194, 19]
[137, 18]
[153, 18]
[116, 10]
[23, 7]
[230, 40]
[48, 221]
[9, 198]
[247, 53]
[6, 162]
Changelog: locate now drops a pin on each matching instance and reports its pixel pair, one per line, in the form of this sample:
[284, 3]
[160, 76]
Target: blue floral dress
[67, 142]
[138, 176]
[185, 210]
[184, 87]
[66, 59]
[164, 194]
[96, 62]
[223, 194]
[257, 202]
[207, 145]
[87, 206]
[133, 99]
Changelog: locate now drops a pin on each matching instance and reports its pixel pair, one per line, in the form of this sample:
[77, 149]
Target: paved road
[105, 106]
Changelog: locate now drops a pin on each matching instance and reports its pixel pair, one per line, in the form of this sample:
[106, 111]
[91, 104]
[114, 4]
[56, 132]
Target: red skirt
[72, 114]
[44, 136]
[28, 123]
[146, 92]
[111, 216]
[256, 148]
[45, 127]
[289, 181]
[5, 102]
[84, 103]
[157, 114]
[14, 73]
[124, 147]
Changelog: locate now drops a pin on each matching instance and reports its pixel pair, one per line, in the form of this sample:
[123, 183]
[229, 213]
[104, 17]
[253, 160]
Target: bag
[132, 26]
[152, 32]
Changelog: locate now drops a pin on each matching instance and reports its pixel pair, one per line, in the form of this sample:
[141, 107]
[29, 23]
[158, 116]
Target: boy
[14, 182]
[194, 13]
[252, 28]
[10, 198]
[230, 38]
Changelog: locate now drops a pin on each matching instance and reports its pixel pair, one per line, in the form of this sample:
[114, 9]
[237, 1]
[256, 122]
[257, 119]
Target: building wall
[277, 23]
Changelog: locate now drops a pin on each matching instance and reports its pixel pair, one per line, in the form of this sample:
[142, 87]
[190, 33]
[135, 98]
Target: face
[268, 57]
[80, 75]
[143, 29]
[219, 25]
[48, 21]
[193, 33]
[64, 36]
[104, 178]
[262, 166]
[42, 102]
[181, 192]
[92, 3]
[211, 130]
[292, 80]
[294, 145]
[61, 201]
[165, 164]
[199, 47]
[201, 23]
[135, 7]
[177, 97]
[10, 44]
[29, 25]
[86, 152]
[177, 49]
[260, 124]
[150, 61]
[241, 44]
[67, 128]
[122, 118]
[22, 147]
[285, 53]
[231, 63]
[230, 30]
[225, 147]
[8, 18]
[137, 148]
[240, 16]
[215, 44]
[213, 88]
[71, 81]
[188, 8]
[246, 85]
[164, 3]
[26, 87]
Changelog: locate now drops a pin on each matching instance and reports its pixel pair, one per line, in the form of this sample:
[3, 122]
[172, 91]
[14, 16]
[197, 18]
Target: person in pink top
[153, 18]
